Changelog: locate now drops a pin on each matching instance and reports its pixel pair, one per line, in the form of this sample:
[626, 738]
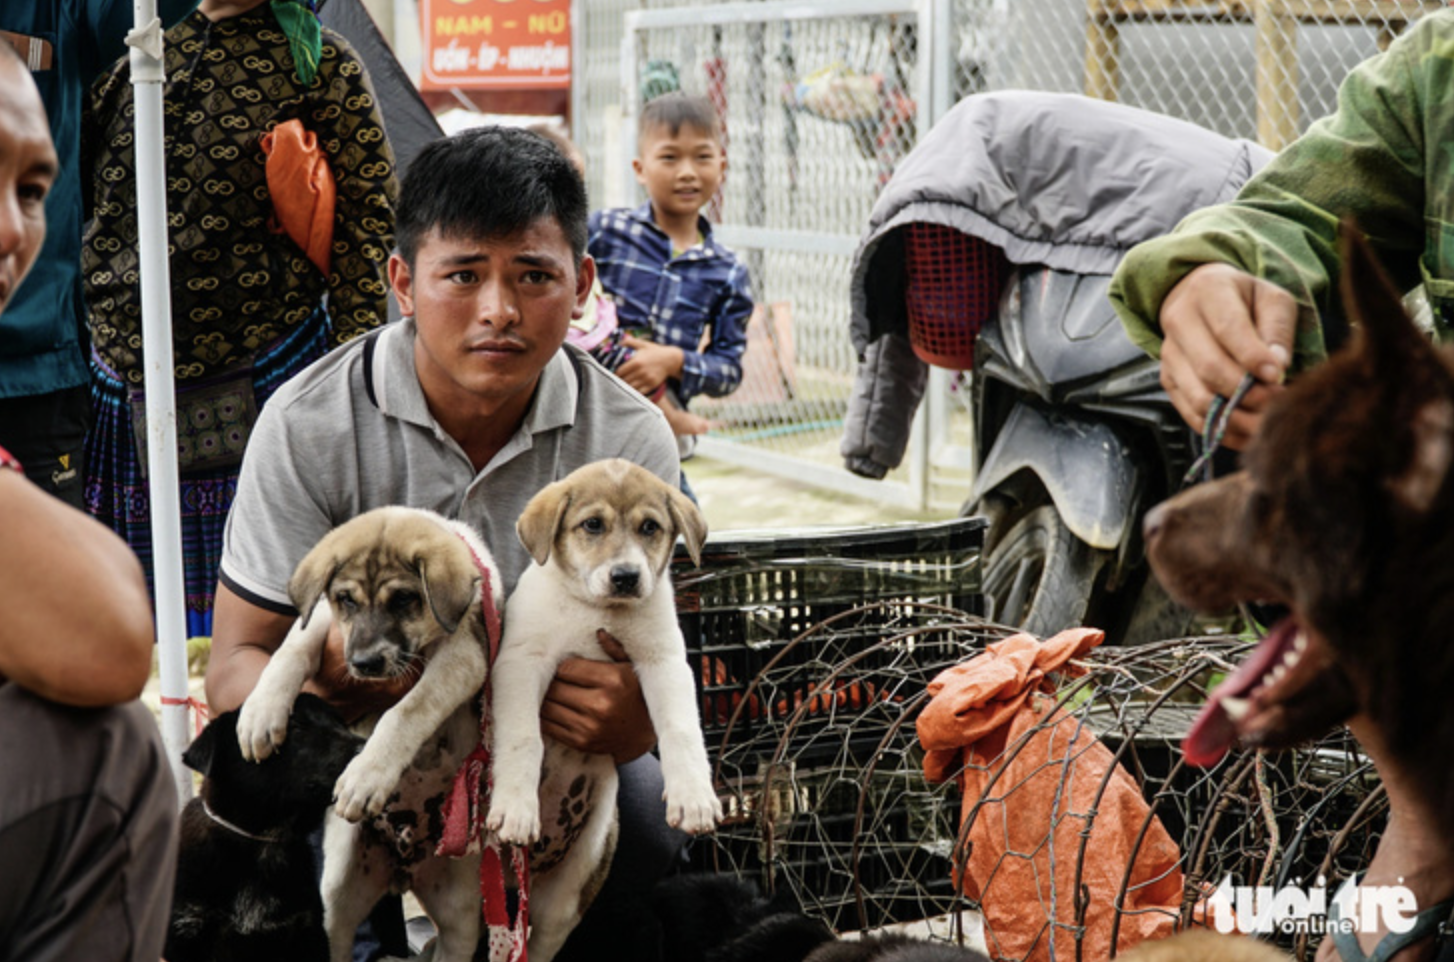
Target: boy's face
[27, 169]
[680, 171]
[490, 313]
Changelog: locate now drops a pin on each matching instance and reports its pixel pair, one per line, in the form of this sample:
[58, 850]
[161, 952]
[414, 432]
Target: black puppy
[718, 917]
[247, 883]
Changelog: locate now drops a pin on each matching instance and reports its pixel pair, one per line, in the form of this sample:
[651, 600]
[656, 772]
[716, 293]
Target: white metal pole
[147, 76]
[630, 90]
[930, 426]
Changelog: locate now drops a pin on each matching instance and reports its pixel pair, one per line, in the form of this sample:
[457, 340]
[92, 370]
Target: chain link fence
[820, 100]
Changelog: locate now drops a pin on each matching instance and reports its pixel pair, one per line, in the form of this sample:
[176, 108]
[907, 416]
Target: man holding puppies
[468, 407]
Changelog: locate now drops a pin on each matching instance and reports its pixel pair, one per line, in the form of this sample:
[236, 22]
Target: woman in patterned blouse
[249, 308]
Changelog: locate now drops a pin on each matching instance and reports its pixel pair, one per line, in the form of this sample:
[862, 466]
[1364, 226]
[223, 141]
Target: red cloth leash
[468, 803]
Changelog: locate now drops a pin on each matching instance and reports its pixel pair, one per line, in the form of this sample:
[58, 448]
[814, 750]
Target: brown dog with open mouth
[1343, 513]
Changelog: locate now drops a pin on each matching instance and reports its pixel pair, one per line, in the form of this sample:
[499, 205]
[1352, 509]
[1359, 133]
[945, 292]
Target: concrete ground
[734, 497]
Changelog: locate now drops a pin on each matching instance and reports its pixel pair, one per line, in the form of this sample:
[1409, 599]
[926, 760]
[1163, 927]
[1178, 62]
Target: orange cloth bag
[1027, 836]
[303, 190]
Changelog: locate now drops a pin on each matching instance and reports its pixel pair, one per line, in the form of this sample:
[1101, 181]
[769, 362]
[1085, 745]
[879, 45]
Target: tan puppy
[602, 541]
[404, 587]
[1201, 945]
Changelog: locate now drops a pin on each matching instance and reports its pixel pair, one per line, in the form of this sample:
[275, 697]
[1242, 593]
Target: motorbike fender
[1090, 474]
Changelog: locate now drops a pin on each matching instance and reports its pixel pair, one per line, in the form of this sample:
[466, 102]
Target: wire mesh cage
[1077, 833]
[821, 772]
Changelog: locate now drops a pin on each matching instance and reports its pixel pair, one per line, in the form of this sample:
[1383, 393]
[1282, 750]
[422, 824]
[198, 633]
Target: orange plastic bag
[303, 190]
[1030, 824]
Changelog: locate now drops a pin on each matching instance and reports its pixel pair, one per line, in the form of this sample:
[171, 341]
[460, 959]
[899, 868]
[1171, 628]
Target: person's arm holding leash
[1250, 285]
[1221, 322]
[88, 654]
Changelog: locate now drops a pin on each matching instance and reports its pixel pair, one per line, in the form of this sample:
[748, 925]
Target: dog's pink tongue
[1213, 732]
[1210, 737]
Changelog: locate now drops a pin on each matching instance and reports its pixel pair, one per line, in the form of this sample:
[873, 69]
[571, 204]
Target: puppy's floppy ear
[310, 579]
[450, 583]
[540, 521]
[690, 522]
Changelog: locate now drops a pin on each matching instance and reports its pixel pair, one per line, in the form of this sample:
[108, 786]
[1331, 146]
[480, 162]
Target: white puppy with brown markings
[406, 587]
[602, 540]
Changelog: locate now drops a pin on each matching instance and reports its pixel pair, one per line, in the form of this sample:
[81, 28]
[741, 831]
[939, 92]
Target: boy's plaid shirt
[678, 299]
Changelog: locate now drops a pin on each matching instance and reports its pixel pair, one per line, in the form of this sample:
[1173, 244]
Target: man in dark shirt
[44, 393]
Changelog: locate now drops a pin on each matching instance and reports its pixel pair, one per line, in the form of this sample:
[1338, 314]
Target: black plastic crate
[756, 593]
[812, 650]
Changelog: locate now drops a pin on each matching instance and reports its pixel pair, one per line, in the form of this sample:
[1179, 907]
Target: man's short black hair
[490, 182]
[671, 112]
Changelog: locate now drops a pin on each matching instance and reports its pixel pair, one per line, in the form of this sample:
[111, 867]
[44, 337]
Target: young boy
[682, 299]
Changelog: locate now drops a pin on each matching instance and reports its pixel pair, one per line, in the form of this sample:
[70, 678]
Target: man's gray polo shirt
[353, 432]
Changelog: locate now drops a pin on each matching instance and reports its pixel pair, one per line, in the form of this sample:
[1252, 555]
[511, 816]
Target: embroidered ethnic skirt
[116, 487]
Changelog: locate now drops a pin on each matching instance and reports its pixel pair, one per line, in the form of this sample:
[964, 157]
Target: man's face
[28, 167]
[490, 313]
[680, 171]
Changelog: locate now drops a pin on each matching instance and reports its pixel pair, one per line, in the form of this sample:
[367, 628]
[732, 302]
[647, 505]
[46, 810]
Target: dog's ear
[540, 521]
[1405, 364]
[1433, 436]
[1390, 339]
[310, 579]
[199, 754]
[690, 523]
[450, 584]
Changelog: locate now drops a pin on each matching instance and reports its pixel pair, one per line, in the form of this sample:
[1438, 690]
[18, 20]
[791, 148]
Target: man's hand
[597, 706]
[1221, 323]
[651, 365]
[354, 697]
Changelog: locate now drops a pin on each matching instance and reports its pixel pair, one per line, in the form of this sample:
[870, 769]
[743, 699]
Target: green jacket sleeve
[1369, 161]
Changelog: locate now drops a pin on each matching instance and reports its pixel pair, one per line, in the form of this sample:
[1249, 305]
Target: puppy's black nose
[625, 579]
[371, 666]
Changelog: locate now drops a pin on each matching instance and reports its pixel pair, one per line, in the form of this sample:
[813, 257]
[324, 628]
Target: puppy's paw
[364, 788]
[262, 725]
[694, 809]
[514, 818]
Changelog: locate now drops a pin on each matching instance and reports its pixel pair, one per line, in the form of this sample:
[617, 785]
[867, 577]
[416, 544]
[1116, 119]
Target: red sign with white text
[514, 44]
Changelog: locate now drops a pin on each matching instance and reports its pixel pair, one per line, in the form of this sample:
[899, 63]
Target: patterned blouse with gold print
[237, 285]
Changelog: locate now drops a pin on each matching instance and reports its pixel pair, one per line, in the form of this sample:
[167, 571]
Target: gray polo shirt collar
[398, 393]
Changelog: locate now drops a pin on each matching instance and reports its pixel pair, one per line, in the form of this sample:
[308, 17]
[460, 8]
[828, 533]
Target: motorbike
[1073, 438]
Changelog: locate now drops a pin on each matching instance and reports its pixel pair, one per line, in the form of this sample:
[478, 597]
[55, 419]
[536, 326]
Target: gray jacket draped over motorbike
[1052, 179]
